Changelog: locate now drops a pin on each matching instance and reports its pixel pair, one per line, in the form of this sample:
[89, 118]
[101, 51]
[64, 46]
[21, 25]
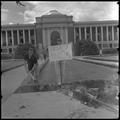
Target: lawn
[6, 65]
[114, 58]
[78, 71]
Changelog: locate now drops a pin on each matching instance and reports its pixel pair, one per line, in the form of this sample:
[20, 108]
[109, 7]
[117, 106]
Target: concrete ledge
[103, 64]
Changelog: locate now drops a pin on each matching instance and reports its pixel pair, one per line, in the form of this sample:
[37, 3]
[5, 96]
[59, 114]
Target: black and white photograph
[59, 59]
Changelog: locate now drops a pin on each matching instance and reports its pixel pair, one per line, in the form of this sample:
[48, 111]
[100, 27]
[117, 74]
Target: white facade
[103, 33]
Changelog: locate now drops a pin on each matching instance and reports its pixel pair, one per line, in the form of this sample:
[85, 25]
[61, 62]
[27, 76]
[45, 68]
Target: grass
[113, 58]
[7, 65]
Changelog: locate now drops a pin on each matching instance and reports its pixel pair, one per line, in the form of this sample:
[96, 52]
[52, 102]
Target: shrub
[6, 56]
[85, 47]
[22, 50]
[110, 51]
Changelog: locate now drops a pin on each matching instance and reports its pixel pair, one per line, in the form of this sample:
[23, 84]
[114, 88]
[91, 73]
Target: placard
[60, 52]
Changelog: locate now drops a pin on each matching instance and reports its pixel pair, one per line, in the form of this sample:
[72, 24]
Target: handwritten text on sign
[60, 52]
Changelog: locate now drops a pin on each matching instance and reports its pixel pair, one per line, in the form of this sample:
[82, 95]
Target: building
[53, 25]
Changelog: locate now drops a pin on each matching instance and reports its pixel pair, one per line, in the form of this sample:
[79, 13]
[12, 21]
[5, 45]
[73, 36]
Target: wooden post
[60, 64]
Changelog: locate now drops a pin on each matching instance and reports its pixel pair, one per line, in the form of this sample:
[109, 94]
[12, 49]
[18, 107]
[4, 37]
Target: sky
[81, 11]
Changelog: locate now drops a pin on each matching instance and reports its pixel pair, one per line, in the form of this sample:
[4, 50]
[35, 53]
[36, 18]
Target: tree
[85, 47]
[22, 51]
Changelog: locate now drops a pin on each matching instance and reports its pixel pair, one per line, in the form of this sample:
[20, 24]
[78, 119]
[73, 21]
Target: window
[3, 38]
[9, 35]
[110, 45]
[10, 50]
[26, 36]
[105, 45]
[4, 50]
[82, 33]
[104, 33]
[88, 33]
[100, 46]
[32, 36]
[77, 34]
[15, 37]
[21, 36]
[93, 34]
[115, 33]
[99, 33]
[109, 33]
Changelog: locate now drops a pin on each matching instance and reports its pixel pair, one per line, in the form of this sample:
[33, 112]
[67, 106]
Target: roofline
[103, 21]
[14, 25]
[75, 23]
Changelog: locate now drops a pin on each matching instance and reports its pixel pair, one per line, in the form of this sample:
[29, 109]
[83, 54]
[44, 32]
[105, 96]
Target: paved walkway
[50, 105]
[11, 80]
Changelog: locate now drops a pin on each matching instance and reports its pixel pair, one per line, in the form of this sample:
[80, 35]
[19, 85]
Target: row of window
[18, 36]
[8, 50]
[97, 31]
[111, 45]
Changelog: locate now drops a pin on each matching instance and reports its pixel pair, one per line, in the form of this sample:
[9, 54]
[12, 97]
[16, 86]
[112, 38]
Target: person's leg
[31, 75]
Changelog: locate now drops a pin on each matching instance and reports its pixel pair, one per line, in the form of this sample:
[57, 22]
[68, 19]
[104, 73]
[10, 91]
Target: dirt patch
[86, 91]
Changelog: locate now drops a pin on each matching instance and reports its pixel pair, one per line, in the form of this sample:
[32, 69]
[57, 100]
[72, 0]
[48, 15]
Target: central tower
[53, 25]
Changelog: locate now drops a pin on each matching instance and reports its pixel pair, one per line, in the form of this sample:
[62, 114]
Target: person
[31, 63]
[60, 67]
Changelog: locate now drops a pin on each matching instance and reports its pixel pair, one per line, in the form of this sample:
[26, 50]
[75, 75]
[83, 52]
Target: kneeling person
[31, 64]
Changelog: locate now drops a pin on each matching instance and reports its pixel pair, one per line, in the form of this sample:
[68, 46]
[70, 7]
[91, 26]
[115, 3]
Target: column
[18, 37]
[107, 32]
[43, 37]
[85, 32]
[6, 38]
[79, 33]
[12, 38]
[74, 36]
[91, 33]
[1, 39]
[117, 34]
[23, 36]
[102, 37]
[29, 36]
[66, 31]
[112, 33]
[49, 40]
[62, 34]
[35, 37]
[96, 34]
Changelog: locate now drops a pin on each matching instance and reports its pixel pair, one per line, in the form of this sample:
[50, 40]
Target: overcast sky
[81, 11]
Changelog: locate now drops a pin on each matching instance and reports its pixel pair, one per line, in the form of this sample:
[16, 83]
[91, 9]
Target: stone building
[56, 25]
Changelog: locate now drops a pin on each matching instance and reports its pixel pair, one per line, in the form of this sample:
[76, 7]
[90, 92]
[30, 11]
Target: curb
[106, 65]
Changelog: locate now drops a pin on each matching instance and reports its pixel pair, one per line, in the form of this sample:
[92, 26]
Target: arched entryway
[54, 37]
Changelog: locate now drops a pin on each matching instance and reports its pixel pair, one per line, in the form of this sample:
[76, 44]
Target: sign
[60, 52]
